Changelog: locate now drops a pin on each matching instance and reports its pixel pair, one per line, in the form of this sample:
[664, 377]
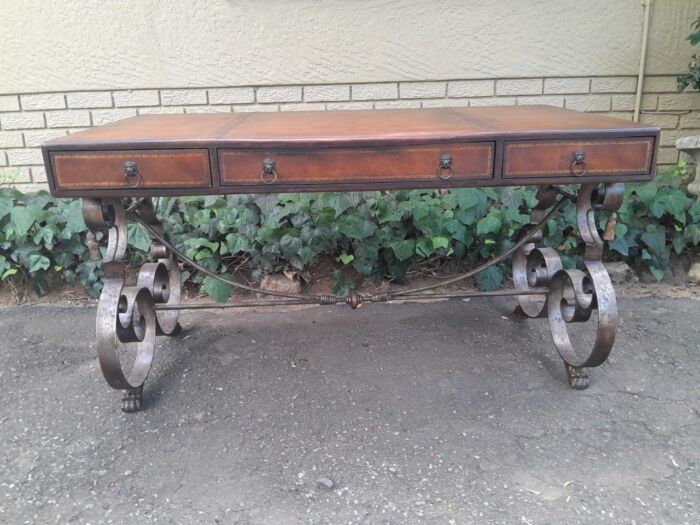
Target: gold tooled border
[487, 173]
[647, 163]
[201, 154]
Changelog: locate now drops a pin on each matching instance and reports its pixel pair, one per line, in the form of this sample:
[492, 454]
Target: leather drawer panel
[341, 165]
[179, 168]
[553, 158]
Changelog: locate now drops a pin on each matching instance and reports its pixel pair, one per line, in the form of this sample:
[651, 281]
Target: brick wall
[27, 120]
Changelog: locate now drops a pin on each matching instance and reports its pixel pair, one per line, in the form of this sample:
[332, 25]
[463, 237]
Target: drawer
[596, 157]
[349, 165]
[177, 168]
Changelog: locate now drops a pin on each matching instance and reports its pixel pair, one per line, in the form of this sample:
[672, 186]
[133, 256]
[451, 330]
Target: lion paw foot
[132, 400]
[578, 377]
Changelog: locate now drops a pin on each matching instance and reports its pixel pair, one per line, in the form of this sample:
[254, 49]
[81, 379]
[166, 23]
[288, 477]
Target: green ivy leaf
[658, 273]
[38, 262]
[346, 258]
[138, 237]
[490, 224]
[489, 279]
[218, 291]
[440, 242]
[404, 249]
[23, 217]
[8, 273]
[356, 227]
[424, 247]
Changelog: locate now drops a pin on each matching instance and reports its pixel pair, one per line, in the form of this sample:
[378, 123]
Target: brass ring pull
[268, 174]
[132, 177]
[444, 170]
[579, 166]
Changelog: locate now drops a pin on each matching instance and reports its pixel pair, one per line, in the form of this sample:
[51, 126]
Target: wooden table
[162, 155]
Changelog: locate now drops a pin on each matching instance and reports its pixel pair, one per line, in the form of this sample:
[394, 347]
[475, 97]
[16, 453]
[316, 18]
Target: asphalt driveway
[433, 413]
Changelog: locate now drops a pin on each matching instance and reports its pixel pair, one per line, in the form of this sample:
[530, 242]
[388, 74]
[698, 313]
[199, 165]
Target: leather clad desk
[210, 154]
[350, 150]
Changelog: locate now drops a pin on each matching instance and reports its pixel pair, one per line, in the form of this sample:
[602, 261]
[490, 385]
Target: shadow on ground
[433, 413]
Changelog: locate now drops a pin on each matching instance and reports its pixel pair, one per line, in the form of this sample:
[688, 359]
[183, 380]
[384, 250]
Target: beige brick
[650, 102]
[67, 119]
[72, 131]
[613, 85]
[159, 110]
[471, 88]
[315, 106]
[349, 106]
[547, 100]
[661, 120]
[492, 101]
[24, 156]
[9, 103]
[89, 99]
[38, 174]
[139, 97]
[422, 89]
[588, 102]
[3, 159]
[43, 101]
[247, 108]
[34, 139]
[237, 95]
[397, 104]
[679, 101]
[563, 86]
[333, 93]
[691, 120]
[11, 139]
[670, 136]
[14, 175]
[667, 156]
[519, 86]
[22, 120]
[183, 97]
[660, 85]
[626, 102]
[208, 109]
[445, 103]
[624, 115]
[105, 116]
[375, 91]
[279, 94]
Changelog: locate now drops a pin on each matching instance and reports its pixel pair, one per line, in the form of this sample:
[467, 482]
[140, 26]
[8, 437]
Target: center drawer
[450, 161]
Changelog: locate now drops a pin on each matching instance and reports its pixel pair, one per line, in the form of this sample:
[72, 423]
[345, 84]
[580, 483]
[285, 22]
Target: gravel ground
[434, 413]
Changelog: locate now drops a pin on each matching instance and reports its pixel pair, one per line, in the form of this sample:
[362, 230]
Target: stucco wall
[62, 45]
[70, 64]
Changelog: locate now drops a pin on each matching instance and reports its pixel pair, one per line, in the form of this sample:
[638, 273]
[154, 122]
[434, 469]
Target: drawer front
[74, 170]
[578, 157]
[350, 165]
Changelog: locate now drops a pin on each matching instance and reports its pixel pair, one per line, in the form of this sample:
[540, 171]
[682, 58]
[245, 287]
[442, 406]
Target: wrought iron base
[130, 317]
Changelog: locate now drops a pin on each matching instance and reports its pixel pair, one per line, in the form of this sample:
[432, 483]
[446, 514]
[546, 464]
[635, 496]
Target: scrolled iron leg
[126, 317]
[574, 295]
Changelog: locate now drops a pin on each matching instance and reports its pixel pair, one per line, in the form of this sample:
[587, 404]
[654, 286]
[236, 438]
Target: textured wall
[66, 45]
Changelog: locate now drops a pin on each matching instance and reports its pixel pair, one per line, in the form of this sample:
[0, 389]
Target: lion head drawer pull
[132, 177]
[579, 166]
[444, 170]
[268, 174]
